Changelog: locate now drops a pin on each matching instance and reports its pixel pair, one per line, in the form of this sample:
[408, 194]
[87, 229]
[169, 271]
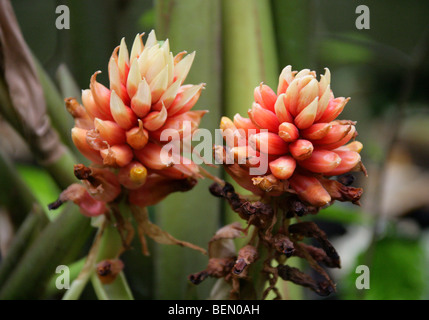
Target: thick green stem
[80, 282]
[110, 248]
[294, 24]
[194, 217]
[249, 53]
[249, 58]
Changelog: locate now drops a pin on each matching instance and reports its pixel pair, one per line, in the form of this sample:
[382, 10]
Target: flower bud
[349, 160]
[133, 175]
[185, 99]
[181, 69]
[307, 95]
[134, 79]
[123, 115]
[101, 95]
[117, 156]
[141, 101]
[115, 81]
[264, 118]
[355, 146]
[123, 61]
[268, 142]
[168, 96]
[137, 137]
[151, 156]
[323, 102]
[317, 131]
[310, 190]
[92, 108]
[79, 140]
[321, 161]
[285, 78]
[283, 167]
[291, 97]
[288, 132]
[335, 134]
[283, 115]
[265, 97]
[159, 84]
[301, 149]
[136, 49]
[184, 124]
[155, 119]
[245, 124]
[334, 108]
[110, 131]
[307, 116]
[349, 135]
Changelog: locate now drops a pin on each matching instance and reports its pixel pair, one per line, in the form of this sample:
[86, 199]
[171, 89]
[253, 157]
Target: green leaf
[67, 83]
[337, 51]
[398, 271]
[31, 275]
[35, 177]
[346, 214]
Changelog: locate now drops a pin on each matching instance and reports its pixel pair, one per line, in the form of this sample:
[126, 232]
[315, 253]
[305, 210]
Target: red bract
[119, 126]
[302, 140]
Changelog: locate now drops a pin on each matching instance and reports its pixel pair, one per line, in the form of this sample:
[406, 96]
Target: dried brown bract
[274, 234]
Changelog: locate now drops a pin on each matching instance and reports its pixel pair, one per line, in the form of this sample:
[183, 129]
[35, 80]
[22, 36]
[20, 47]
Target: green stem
[249, 53]
[190, 25]
[80, 282]
[110, 248]
[249, 57]
[294, 25]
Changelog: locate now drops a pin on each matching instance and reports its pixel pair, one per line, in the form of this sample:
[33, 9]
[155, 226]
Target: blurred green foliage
[398, 271]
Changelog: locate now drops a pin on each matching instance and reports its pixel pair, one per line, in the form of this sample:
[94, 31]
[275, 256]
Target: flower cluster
[297, 131]
[119, 128]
